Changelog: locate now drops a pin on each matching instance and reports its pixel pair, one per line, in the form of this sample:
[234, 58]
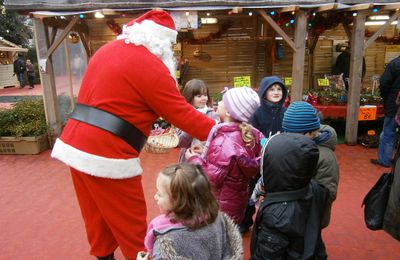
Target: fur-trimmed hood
[219, 240]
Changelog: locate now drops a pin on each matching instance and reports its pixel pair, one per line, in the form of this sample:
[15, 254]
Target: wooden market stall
[8, 53]
[248, 41]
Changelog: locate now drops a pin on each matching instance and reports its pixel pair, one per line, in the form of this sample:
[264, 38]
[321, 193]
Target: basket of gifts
[161, 140]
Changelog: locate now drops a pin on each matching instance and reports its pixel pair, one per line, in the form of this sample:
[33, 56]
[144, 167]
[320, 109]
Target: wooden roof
[74, 5]
[9, 46]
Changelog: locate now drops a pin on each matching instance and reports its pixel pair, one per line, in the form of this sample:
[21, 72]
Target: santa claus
[128, 84]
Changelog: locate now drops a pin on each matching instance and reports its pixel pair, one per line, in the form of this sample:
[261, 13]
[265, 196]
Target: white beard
[161, 48]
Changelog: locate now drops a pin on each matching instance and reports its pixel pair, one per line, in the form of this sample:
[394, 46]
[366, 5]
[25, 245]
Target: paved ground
[40, 218]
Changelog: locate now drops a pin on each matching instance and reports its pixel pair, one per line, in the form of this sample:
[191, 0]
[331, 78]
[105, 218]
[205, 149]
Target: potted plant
[24, 128]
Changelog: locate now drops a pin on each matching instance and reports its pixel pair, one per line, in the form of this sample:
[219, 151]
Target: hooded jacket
[289, 226]
[327, 173]
[268, 117]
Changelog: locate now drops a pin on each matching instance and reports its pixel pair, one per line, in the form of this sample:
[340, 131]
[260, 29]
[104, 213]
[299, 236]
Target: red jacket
[132, 83]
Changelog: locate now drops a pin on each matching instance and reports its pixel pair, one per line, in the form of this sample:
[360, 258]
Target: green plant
[26, 118]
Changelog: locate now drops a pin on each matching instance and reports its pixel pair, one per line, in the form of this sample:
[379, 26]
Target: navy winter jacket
[268, 117]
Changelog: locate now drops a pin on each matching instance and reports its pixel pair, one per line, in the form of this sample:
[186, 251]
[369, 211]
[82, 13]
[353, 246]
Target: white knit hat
[241, 103]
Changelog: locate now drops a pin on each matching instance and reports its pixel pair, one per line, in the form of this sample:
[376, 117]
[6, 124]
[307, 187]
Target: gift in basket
[161, 140]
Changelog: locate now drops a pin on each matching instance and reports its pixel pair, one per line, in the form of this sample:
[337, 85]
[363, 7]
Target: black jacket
[19, 65]
[268, 117]
[288, 223]
[389, 87]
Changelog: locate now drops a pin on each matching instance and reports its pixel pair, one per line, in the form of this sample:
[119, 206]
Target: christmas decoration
[73, 37]
[188, 37]
[116, 28]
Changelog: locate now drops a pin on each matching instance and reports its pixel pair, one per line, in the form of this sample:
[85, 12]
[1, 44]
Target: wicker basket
[162, 143]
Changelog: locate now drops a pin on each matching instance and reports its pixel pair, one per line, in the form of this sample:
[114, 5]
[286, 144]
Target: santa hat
[155, 22]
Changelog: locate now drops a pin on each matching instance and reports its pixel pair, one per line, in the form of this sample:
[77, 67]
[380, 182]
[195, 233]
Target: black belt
[111, 123]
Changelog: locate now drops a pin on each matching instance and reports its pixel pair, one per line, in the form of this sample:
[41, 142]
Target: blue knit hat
[300, 117]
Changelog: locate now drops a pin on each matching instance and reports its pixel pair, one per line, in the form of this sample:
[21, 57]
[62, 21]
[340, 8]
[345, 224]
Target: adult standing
[30, 73]
[128, 84]
[342, 64]
[389, 86]
[19, 70]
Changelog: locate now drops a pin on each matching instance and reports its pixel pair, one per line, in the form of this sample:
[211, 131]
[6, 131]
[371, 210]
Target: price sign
[367, 113]
[243, 81]
[323, 82]
[287, 81]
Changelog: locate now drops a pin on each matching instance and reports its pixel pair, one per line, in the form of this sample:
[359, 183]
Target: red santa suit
[132, 82]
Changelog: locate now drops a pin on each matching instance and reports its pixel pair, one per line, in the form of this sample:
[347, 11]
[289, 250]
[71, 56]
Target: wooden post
[299, 56]
[47, 79]
[356, 63]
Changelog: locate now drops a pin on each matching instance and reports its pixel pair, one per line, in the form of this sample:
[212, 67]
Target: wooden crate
[23, 145]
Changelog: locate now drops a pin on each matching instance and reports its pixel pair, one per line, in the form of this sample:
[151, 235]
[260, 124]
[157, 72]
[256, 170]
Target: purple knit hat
[241, 103]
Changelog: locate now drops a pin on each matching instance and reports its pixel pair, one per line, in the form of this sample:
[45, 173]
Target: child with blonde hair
[190, 227]
[196, 93]
[232, 151]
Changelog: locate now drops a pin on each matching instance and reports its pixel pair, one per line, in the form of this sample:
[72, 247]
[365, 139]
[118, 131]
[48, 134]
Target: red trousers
[114, 211]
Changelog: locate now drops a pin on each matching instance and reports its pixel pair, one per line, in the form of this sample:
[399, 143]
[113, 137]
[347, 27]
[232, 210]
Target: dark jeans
[21, 79]
[31, 79]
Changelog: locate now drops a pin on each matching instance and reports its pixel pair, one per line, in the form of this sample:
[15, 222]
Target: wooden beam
[347, 30]
[289, 8]
[381, 30]
[393, 6]
[278, 29]
[59, 40]
[327, 7]
[356, 63]
[300, 34]
[85, 44]
[53, 35]
[360, 7]
[47, 80]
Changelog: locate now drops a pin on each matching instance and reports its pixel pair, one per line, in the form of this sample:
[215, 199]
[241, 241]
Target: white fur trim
[96, 165]
[151, 28]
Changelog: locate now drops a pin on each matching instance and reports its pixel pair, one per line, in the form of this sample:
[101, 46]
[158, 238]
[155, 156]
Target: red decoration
[116, 28]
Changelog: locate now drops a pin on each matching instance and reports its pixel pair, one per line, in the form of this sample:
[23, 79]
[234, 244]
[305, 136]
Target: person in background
[342, 64]
[19, 70]
[288, 221]
[302, 118]
[196, 93]
[232, 152]
[30, 72]
[389, 86]
[268, 119]
[128, 84]
[190, 226]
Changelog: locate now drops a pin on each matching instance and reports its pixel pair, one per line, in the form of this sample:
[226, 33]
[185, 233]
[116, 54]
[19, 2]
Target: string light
[375, 10]
[81, 16]
[250, 13]
[292, 21]
[272, 13]
[354, 14]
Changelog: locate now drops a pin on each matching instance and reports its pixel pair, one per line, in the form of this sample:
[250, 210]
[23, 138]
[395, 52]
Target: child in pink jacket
[232, 152]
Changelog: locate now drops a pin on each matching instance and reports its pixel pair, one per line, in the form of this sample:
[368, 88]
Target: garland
[188, 37]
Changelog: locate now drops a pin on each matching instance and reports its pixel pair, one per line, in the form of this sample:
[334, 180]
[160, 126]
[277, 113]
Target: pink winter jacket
[230, 164]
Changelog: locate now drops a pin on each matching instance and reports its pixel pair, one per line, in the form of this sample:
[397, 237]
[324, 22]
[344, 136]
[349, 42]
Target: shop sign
[367, 113]
[242, 81]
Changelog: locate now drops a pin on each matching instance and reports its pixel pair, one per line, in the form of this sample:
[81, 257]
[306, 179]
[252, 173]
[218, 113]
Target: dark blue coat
[268, 117]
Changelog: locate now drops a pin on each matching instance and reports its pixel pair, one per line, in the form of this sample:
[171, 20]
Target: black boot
[107, 257]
